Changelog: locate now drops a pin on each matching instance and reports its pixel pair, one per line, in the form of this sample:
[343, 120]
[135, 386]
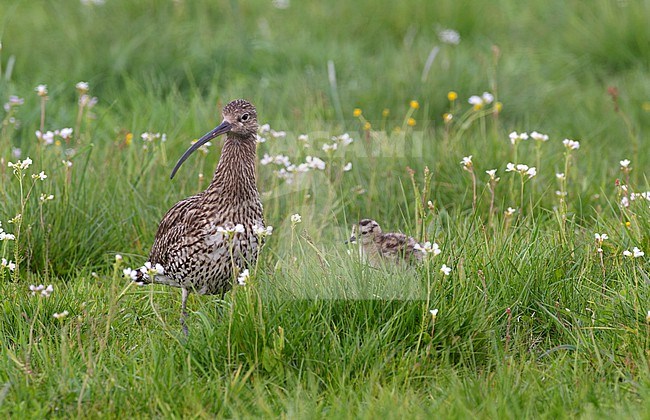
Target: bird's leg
[184, 311]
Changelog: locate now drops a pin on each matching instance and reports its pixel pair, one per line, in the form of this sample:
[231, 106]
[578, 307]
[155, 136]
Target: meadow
[400, 112]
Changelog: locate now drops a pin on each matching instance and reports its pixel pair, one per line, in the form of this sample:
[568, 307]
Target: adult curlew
[394, 247]
[205, 240]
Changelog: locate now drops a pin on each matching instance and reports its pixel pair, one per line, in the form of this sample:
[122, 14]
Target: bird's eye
[245, 117]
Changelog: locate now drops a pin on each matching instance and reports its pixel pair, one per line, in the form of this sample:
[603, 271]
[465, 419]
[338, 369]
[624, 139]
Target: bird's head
[242, 117]
[239, 118]
[368, 231]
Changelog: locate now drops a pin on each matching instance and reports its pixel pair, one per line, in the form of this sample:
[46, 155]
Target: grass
[532, 321]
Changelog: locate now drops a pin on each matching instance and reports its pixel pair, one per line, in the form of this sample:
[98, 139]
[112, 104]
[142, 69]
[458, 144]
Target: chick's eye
[245, 117]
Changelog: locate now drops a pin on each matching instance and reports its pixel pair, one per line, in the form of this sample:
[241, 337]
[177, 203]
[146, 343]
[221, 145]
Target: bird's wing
[392, 245]
[399, 246]
[175, 230]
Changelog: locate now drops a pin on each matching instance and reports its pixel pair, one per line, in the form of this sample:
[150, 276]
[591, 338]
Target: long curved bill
[222, 128]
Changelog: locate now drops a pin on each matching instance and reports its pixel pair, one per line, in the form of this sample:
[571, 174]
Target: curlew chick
[206, 240]
[377, 246]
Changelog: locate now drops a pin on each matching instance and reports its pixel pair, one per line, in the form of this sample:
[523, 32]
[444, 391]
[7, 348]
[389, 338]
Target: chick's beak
[222, 128]
[353, 239]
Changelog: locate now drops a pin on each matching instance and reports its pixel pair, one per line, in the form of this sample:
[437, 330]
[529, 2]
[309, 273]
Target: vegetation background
[536, 318]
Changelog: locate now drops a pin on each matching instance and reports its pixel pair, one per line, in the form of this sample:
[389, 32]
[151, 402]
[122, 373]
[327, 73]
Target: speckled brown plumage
[378, 247]
[194, 254]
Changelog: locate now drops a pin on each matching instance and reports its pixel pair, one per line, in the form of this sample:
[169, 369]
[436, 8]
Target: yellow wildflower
[415, 104]
[366, 126]
[356, 112]
[452, 96]
[411, 122]
[628, 224]
[57, 143]
[477, 107]
[129, 139]
[385, 112]
[447, 117]
[498, 106]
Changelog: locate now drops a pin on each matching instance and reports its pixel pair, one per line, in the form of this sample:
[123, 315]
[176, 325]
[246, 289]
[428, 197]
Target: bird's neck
[235, 175]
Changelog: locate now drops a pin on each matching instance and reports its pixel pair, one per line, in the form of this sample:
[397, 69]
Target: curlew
[205, 240]
[377, 246]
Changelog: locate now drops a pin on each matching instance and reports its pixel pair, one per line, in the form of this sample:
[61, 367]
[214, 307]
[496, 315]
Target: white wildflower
[264, 129]
[262, 231]
[487, 98]
[20, 164]
[47, 137]
[449, 36]
[600, 237]
[344, 139]
[243, 277]
[82, 87]
[315, 163]
[571, 144]
[539, 136]
[40, 176]
[347, 166]
[445, 270]
[428, 248]
[517, 137]
[7, 264]
[41, 90]
[129, 273]
[329, 147]
[150, 137]
[42, 290]
[278, 134]
[230, 230]
[281, 4]
[266, 159]
[635, 253]
[475, 100]
[65, 133]
[61, 315]
[467, 162]
[296, 218]
[281, 160]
